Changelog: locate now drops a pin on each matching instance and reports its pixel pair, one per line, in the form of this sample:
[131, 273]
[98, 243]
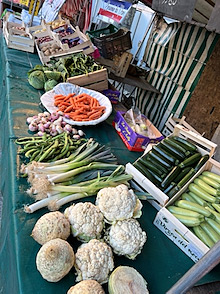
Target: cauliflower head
[126, 238]
[118, 203]
[94, 261]
[50, 226]
[86, 287]
[86, 221]
[55, 259]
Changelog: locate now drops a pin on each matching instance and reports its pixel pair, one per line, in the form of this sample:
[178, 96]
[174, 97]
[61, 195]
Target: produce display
[171, 164]
[58, 70]
[44, 39]
[81, 107]
[198, 208]
[49, 49]
[52, 124]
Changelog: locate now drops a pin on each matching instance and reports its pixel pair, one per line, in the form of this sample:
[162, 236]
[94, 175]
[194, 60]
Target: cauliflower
[55, 259]
[94, 260]
[118, 203]
[126, 238]
[86, 221]
[50, 226]
[86, 287]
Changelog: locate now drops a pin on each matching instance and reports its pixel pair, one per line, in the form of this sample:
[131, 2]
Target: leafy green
[37, 79]
[50, 84]
[52, 75]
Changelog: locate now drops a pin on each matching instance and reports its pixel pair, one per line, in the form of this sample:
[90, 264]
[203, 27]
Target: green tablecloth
[161, 262]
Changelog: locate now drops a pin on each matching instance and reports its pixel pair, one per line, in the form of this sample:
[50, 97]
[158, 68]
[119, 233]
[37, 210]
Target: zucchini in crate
[186, 144]
[172, 150]
[159, 159]
[150, 166]
[193, 159]
[146, 173]
[171, 176]
[167, 156]
[177, 146]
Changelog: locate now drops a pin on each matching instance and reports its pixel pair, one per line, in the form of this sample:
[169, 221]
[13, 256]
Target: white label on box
[193, 251]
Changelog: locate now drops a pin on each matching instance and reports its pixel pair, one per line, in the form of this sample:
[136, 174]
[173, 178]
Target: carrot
[58, 96]
[68, 109]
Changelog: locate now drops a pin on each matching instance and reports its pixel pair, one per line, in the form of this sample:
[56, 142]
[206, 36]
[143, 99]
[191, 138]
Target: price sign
[24, 2]
[178, 9]
[36, 8]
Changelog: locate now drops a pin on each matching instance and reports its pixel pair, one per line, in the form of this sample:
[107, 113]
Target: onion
[41, 127]
[33, 127]
[29, 120]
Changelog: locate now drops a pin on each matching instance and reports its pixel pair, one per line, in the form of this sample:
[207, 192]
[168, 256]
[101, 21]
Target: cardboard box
[132, 140]
[204, 146]
[188, 242]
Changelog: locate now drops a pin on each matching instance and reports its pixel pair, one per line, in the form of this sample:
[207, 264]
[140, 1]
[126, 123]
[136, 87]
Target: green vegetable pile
[43, 77]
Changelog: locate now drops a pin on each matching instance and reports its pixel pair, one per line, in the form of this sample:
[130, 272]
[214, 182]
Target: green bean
[48, 151]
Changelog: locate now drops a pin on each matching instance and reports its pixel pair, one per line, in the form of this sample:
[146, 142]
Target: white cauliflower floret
[86, 287]
[94, 261]
[55, 259]
[118, 203]
[126, 238]
[50, 226]
[86, 221]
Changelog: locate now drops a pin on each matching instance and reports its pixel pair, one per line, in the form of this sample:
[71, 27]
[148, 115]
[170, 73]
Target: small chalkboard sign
[177, 9]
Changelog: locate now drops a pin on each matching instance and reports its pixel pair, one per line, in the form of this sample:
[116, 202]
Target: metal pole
[197, 271]
[32, 13]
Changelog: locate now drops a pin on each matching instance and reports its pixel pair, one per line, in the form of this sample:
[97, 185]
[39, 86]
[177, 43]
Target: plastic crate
[110, 29]
[114, 44]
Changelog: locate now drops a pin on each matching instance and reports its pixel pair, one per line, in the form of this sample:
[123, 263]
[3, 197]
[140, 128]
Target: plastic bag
[138, 122]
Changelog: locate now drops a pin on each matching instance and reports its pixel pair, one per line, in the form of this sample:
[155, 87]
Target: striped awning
[177, 54]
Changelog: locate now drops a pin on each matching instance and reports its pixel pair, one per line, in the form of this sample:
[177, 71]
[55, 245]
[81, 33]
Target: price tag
[31, 6]
[24, 2]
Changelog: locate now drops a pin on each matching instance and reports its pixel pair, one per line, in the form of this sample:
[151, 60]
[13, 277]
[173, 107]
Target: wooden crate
[120, 67]
[86, 46]
[187, 241]
[14, 38]
[97, 80]
[204, 146]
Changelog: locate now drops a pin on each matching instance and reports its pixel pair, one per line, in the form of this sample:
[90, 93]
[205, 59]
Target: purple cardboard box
[132, 140]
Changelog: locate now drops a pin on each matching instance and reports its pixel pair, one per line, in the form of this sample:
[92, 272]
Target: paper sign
[24, 2]
[31, 6]
[114, 9]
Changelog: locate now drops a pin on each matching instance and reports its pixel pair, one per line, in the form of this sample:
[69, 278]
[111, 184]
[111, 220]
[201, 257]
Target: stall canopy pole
[145, 35]
[197, 271]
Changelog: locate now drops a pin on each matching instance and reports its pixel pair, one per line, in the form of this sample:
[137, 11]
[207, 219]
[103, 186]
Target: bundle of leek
[66, 192]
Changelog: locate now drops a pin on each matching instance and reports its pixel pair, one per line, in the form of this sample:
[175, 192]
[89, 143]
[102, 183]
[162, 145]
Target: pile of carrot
[82, 107]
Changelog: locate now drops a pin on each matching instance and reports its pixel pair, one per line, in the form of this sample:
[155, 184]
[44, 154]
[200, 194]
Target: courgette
[201, 234]
[151, 167]
[201, 193]
[173, 151]
[145, 172]
[210, 181]
[157, 165]
[210, 232]
[173, 191]
[187, 197]
[173, 160]
[183, 211]
[191, 160]
[215, 214]
[171, 176]
[189, 146]
[192, 206]
[168, 189]
[201, 162]
[186, 178]
[212, 175]
[156, 156]
[158, 178]
[177, 146]
[182, 173]
[188, 221]
[206, 187]
[198, 199]
[213, 224]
